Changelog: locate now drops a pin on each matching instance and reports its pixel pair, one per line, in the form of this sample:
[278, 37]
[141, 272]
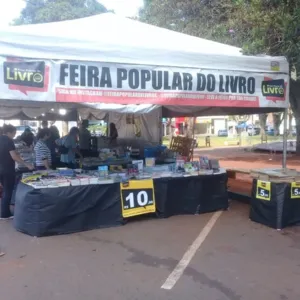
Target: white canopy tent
[107, 59]
[110, 38]
[116, 42]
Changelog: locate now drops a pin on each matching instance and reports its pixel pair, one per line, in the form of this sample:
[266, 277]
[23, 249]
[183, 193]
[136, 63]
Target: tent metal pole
[193, 137]
[285, 136]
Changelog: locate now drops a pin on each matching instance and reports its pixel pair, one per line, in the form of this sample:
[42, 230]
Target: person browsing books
[43, 159]
[68, 148]
[8, 157]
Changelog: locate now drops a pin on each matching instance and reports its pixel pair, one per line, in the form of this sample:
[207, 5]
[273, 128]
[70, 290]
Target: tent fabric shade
[196, 111]
[10, 109]
[111, 63]
[30, 110]
[99, 112]
[127, 41]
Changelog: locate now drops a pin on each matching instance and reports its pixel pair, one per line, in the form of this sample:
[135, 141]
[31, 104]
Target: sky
[127, 8]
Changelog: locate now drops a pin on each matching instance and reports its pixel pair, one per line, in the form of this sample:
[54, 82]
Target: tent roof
[110, 38]
[25, 110]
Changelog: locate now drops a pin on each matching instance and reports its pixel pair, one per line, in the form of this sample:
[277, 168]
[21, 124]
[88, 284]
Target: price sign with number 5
[137, 197]
[263, 190]
[295, 190]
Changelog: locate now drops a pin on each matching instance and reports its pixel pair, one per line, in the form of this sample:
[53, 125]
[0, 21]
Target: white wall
[12, 122]
[219, 125]
[150, 125]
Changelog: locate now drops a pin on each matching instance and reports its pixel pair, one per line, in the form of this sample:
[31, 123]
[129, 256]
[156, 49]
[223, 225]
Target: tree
[262, 123]
[189, 127]
[272, 27]
[295, 105]
[258, 26]
[290, 116]
[185, 16]
[239, 118]
[203, 18]
[277, 120]
[45, 11]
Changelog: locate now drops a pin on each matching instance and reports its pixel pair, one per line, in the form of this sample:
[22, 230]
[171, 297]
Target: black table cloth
[190, 195]
[62, 210]
[280, 211]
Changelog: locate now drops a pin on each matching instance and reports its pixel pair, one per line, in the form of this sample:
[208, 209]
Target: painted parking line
[190, 253]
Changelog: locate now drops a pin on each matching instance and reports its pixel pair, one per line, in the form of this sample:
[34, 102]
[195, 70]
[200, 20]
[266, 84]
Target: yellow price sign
[137, 198]
[295, 190]
[33, 177]
[263, 190]
[275, 66]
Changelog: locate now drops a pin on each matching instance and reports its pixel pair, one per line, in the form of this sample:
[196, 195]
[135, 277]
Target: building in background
[211, 125]
[203, 125]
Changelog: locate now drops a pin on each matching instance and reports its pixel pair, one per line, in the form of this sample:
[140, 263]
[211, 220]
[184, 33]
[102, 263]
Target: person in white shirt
[43, 158]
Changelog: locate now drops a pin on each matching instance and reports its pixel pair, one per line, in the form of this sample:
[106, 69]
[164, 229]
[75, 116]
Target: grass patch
[216, 141]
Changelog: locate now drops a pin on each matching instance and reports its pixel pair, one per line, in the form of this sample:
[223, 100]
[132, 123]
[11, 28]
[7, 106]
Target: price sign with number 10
[295, 190]
[137, 197]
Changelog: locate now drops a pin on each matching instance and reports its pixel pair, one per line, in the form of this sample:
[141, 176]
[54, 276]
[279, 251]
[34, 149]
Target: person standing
[68, 148]
[43, 159]
[8, 157]
[113, 135]
[44, 124]
[85, 139]
[24, 148]
[27, 137]
[54, 131]
[52, 145]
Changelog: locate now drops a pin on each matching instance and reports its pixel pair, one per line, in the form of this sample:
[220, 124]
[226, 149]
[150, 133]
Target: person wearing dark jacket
[8, 157]
[113, 135]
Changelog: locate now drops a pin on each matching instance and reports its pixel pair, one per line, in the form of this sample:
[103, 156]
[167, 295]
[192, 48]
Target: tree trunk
[263, 123]
[290, 125]
[295, 106]
[277, 120]
[189, 128]
[297, 136]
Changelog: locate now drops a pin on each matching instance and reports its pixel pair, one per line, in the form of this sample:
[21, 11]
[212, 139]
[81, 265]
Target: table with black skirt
[277, 204]
[63, 210]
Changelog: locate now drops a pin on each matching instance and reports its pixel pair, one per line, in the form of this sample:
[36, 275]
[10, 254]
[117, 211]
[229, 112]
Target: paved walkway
[276, 146]
[238, 260]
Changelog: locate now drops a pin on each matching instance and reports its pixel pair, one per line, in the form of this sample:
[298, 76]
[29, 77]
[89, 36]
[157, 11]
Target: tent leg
[193, 134]
[285, 136]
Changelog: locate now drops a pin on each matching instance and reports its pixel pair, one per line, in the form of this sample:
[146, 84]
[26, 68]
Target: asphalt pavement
[238, 260]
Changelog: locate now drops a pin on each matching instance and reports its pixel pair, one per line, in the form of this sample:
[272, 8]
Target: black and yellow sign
[29, 74]
[275, 66]
[295, 190]
[263, 190]
[137, 197]
[273, 88]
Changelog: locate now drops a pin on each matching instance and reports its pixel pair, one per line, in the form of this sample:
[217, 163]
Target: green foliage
[206, 18]
[45, 11]
[258, 26]
[98, 128]
[270, 27]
